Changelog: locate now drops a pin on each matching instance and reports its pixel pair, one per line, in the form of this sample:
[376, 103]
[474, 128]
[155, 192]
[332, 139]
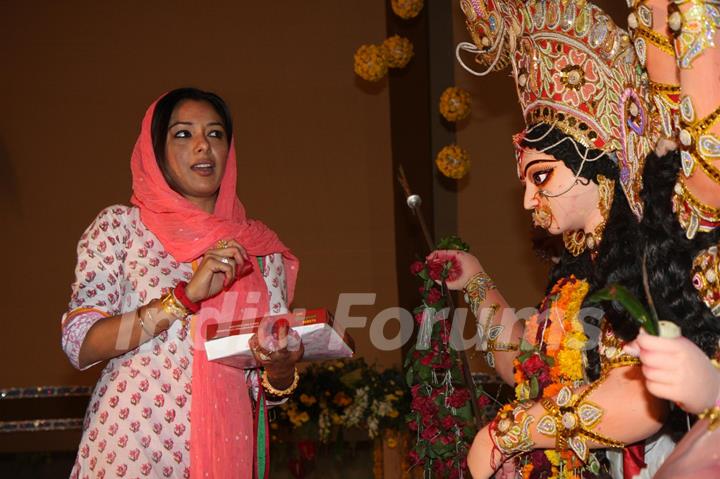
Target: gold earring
[577, 241]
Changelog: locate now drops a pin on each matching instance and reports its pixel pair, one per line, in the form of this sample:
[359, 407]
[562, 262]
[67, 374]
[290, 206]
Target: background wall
[312, 143]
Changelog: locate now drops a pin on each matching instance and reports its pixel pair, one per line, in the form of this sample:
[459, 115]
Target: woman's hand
[277, 350]
[464, 266]
[677, 370]
[218, 269]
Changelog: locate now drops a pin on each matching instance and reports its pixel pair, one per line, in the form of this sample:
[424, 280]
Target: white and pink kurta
[138, 420]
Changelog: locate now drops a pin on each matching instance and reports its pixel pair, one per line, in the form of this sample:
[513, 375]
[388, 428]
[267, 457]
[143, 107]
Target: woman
[143, 272]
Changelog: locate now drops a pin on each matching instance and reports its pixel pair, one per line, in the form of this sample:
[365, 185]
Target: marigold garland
[370, 63]
[551, 357]
[453, 162]
[398, 51]
[455, 104]
[407, 9]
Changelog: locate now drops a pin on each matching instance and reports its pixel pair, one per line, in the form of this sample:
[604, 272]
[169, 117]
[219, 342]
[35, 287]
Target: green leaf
[632, 305]
[410, 377]
[526, 346]
[453, 242]
[534, 387]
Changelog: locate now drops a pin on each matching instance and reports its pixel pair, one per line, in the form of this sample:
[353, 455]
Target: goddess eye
[182, 134]
[217, 134]
[541, 177]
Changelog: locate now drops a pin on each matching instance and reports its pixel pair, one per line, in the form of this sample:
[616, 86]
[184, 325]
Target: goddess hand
[218, 270]
[677, 370]
[464, 266]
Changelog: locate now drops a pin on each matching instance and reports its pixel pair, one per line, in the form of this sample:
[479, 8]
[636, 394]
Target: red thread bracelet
[181, 296]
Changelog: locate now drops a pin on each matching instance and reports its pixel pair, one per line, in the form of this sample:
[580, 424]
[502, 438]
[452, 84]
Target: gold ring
[222, 244]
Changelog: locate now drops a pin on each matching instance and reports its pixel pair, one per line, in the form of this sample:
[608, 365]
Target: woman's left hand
[676, 369]
[277, 353]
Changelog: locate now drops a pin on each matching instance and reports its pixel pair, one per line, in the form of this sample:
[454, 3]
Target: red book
[227, 342]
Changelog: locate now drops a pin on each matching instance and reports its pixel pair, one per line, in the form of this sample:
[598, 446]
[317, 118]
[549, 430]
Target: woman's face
[196, 151]
[544, 177]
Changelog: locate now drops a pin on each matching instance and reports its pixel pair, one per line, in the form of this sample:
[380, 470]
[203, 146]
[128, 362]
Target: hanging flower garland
[455, 104]
[398, 51]
[453, 162]
[441, 415]
[541, 371]
[407, 9]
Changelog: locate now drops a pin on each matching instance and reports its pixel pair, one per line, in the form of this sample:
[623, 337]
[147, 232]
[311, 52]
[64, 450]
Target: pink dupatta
[222, 435]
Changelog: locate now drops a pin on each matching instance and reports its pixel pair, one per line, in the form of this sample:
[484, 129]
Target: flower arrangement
[453, 162]
[370, 63]
[398, 51]
[335, 395]
[455, 104]
[407, 9]
[441, 412]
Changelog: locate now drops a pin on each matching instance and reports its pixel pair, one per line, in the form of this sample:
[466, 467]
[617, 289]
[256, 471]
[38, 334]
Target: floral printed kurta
[138, 421]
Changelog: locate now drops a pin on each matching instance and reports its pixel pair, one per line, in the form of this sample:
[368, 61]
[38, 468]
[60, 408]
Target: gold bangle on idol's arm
[712, 414]
[476, 290]
[578, 420]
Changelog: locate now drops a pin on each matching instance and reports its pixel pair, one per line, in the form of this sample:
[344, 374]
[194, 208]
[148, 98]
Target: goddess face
[559, 200]
[196, 150]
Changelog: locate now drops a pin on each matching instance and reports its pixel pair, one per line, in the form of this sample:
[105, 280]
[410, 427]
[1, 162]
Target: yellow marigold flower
[304, 417]
[453, 162]
[553, 457]
[336, 419]
[393, 413]
[391, 442]
[398, 51]
[575, 340]
[390, 397]
[406, 9]
[370, 65]
[570, 362]
[455, 104]
[307, 400]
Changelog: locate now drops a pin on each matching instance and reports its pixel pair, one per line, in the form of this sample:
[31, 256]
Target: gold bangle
[173, 307]
[280, 392]
[655, 38]
[712, 414]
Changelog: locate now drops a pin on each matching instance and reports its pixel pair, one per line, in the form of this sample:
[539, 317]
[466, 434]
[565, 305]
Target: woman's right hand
[465, 266]
[218, 270]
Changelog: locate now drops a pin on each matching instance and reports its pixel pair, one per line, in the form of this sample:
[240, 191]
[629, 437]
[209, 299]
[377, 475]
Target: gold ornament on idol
[542, 215]
[576, 242]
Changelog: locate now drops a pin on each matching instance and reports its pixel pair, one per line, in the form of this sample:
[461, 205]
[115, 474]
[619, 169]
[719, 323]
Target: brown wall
[313, 147]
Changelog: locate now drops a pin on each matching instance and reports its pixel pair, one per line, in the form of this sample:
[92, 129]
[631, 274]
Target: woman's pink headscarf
[222, 435]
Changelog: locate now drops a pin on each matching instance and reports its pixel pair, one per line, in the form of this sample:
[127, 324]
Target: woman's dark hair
[616, 260]
[164, 109]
